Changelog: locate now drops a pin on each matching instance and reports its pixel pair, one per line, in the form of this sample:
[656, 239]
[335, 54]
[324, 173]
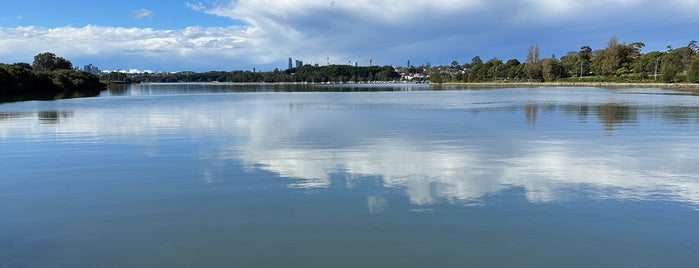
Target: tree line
[49, 77]
[302, 74]
[617, 62]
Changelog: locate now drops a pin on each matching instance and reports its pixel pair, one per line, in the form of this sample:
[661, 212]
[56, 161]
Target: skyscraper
[91, 69]
[290, 66]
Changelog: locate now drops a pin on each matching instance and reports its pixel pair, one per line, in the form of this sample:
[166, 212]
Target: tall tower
[290, 66]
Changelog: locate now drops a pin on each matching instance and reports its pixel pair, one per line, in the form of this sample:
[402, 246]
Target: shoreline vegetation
[616, 65]
[576, 84]
[469, 85]
[48, 78]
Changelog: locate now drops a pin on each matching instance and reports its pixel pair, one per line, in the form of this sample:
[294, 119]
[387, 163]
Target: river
[221, 175]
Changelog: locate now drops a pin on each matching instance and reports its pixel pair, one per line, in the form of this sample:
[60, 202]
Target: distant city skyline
[245, 34]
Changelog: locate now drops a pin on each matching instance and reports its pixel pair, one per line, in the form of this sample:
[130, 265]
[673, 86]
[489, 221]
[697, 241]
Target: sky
[184, 35]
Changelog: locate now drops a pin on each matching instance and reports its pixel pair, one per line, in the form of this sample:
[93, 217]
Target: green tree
[693, 74]
[513, 69]
[646, 64]
[551, 69]
[584, 60]
[610, 59]
[436, 76]
[493, 68]
[471, 69]
[48, 61]
[670, 67]
[569, 64]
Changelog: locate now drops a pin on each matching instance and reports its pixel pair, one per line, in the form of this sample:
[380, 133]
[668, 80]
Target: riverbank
[22, 82]
[579, 84]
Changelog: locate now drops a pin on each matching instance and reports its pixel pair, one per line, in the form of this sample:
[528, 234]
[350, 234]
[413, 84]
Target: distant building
[91, 69]
[299, 63]
[290, 66]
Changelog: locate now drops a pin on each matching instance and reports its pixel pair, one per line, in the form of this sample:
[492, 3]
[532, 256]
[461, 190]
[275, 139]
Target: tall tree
[584, 60]
[569, 64]
[551, 69]
[44, 61]
[532, 65]
[48, 61]
[671, 66]
[473, 73]
[533, 54]
[611, 58]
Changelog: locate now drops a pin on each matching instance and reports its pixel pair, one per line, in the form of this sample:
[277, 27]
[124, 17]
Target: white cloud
[162, 48]
[388, 32]
[142, 14]
[428, 169]
[431, 174]
[196, 6]
[352, 30]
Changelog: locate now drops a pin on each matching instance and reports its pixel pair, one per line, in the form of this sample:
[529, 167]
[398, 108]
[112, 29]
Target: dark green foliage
[617, 62]
[693, 75]
[307, 73]
[49, 62]
[436, 76]
[551, 69]
[47, 79]
[670, 67]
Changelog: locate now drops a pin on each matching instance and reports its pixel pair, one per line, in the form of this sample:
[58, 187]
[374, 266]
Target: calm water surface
[214, 175]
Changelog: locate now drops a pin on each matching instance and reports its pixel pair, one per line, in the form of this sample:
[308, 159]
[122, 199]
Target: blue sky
[244, 34]
[152, 14]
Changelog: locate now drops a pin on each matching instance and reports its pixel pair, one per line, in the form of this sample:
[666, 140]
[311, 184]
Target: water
[214, 175]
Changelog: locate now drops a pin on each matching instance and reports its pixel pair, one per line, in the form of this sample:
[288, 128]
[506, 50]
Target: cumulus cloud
[162, 48]
[388, 32]
[439, 29]
[142, 14]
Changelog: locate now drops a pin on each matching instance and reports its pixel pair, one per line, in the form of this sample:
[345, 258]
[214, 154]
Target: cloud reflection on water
[460, 171]
[545, 170]
[431, 161]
